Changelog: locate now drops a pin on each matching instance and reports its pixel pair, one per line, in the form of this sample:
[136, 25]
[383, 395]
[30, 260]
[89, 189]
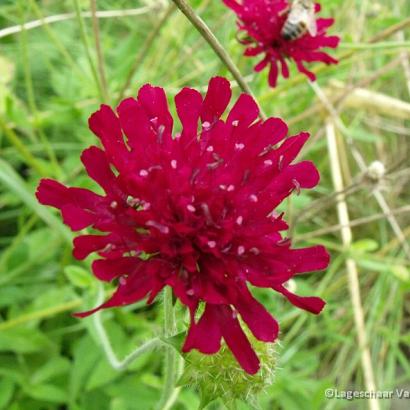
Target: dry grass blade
[351, 267]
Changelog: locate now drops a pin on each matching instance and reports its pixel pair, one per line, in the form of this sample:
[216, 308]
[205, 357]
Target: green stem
[98, 48]
[145, 49]
[209, 36]
[40, 314]
[33, 106]
[54, 39]
[84, 39]
[21, 148]
[171, 367]
[106, 344]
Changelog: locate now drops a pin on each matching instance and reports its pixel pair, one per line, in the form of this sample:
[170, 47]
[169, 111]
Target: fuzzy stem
[171, 367]
[106, 344]
[207, 34]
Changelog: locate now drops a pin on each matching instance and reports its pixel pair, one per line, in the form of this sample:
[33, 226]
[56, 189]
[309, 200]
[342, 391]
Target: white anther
[174, 164]
[162, 228]
[190, 208]
[190, 292]
[296, 183]
[210, 148]
[206, 125]
[114, 204]
[143, 173]
[240, 146]
[145, 205]
[223, 187]
[239, 220]
[231, 188]
[241, 250]
[235, 123]
[212, 244]
[253, 198]
[268, 162]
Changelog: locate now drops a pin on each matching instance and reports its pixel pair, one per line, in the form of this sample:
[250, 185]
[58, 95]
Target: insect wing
[311, 23]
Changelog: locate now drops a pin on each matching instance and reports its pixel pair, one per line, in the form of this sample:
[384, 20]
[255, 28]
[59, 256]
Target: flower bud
[219, 375]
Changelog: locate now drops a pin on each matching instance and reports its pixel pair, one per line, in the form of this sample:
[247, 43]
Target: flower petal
[237, 341]
[109, 269]
[98, 168]
[105, 124]
[154, 101]
[245, 111]
[205, 335]
[216, 100]
[260, 322]
[189, 106]
[311, 304]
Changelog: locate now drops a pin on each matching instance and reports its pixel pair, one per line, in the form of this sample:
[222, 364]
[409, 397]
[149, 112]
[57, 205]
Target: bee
[300, 20]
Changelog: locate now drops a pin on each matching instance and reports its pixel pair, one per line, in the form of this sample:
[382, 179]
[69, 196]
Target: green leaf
[401, 272]
[23, 341]
[55, 366]
[78, 276]
[16, 184]
[365, 246]
[6, 392]
[46, 392]
[175, 341]
[86, 356]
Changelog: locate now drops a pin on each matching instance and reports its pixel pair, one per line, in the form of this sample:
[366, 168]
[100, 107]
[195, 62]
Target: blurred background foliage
[50, 360]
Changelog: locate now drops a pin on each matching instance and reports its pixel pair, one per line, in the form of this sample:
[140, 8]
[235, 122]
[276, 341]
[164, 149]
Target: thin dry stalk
[363, 168]
[356, 222]
[30, 25]
[352, 272]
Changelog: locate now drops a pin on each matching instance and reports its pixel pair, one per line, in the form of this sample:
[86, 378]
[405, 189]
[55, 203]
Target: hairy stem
[106, 344]
[171, 362]
[209, 36]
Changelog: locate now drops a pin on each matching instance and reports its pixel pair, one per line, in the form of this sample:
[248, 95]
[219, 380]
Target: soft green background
[48, 359]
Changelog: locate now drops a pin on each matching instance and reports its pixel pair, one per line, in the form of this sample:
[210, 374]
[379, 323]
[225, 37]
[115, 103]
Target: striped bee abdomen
[292, 31]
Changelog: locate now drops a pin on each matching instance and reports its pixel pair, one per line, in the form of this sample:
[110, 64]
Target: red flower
[200, 204]
[263, 21]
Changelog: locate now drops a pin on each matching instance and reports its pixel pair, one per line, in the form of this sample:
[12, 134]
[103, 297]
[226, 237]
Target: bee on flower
[284, 31]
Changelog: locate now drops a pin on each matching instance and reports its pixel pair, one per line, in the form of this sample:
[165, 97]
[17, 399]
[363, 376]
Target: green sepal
[175, 341]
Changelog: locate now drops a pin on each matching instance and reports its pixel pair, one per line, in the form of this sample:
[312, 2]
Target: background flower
[201, 204]
[263, 21]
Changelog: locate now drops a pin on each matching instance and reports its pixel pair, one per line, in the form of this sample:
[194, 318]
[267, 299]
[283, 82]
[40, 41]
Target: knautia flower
[200, 203]
[263, 22]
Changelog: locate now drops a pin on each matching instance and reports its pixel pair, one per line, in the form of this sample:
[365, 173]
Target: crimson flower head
[263, 21]
[193, 210]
